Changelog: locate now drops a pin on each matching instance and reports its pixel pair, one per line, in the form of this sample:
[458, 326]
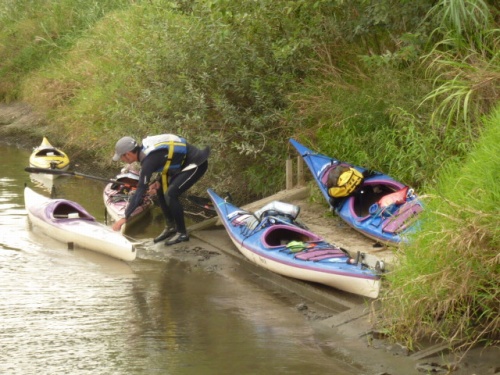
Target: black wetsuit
[179, 181]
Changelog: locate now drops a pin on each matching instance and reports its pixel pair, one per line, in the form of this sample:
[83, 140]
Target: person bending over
[179, 164]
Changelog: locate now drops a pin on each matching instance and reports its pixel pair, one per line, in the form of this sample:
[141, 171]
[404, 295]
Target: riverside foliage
[394, 85]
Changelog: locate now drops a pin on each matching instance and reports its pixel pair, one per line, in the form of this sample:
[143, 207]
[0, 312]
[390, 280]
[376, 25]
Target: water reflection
[67, 311]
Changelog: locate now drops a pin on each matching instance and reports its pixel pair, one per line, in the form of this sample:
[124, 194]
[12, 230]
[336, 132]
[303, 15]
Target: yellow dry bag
[346, 183]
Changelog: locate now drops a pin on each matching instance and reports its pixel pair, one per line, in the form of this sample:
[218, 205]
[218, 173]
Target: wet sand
[349, 321]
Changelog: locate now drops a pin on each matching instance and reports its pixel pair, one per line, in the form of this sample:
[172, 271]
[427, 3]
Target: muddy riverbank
[348, 321]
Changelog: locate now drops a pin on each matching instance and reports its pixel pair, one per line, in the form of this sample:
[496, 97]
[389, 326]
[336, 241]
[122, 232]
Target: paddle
[68, 173]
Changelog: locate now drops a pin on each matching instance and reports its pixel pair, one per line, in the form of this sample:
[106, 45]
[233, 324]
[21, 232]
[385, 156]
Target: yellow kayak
[48, 156]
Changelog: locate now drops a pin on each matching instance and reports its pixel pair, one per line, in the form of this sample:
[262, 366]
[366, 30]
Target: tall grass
[373, 117]
[225, 74]
[464, 63]
[447, 284]
[34, 34]
[222, 82]
[151, 68]
[462, 22]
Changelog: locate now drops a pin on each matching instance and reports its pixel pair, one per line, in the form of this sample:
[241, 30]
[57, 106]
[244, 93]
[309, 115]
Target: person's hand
[117, 225]
[153, 188]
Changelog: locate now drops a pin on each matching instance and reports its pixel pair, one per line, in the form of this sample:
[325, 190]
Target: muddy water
[75, 311]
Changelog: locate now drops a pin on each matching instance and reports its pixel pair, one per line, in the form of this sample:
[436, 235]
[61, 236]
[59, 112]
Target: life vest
[177, 150]
[343, 182]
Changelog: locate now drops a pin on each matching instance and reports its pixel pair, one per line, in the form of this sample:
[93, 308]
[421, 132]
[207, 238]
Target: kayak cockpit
[368, 195]
[49, 152]
[64, 209]
[280, 234]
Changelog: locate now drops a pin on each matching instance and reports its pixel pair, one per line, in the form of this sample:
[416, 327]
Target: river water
[74, 311]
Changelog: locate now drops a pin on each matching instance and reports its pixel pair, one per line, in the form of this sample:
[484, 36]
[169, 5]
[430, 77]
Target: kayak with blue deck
[274, 239]
[381, 208]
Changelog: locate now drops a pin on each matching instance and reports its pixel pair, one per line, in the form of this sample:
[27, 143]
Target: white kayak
[68, 222]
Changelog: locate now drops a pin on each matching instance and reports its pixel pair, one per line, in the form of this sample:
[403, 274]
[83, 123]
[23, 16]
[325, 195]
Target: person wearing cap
[179, 164]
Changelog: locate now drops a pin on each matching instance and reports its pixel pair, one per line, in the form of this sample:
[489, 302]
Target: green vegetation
[447, 284]
[398, 86]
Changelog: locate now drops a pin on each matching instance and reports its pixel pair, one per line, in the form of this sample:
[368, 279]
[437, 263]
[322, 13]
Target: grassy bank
[397, 86]
[447, 284]
[351, 80]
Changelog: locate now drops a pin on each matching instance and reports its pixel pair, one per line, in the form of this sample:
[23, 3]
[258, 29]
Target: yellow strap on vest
[164, 178]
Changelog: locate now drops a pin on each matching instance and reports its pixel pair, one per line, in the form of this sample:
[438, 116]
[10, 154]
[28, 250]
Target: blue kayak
[273, 239]
[381, 208]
